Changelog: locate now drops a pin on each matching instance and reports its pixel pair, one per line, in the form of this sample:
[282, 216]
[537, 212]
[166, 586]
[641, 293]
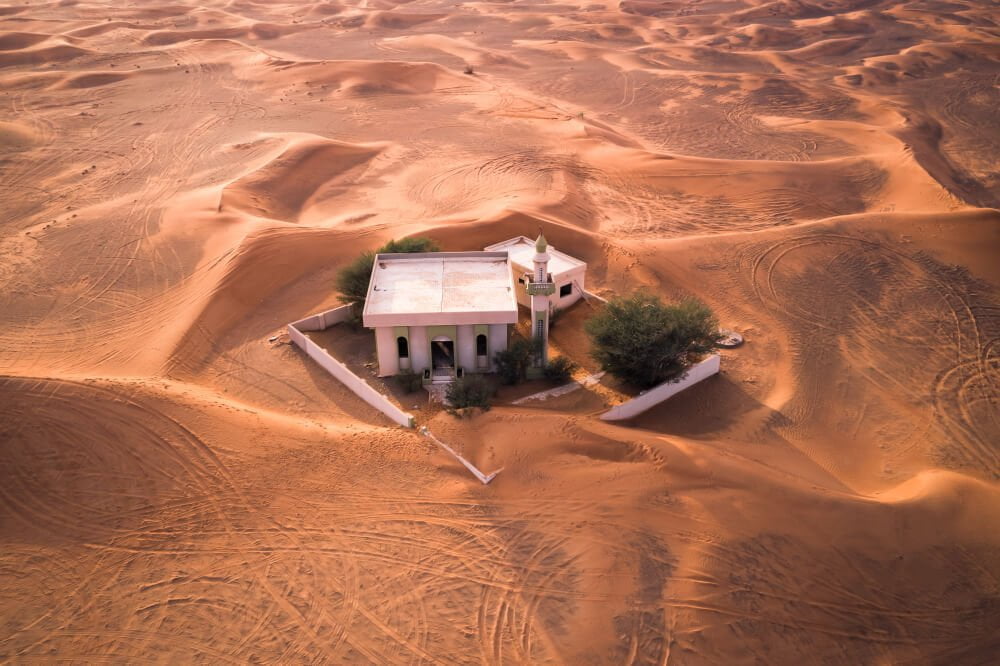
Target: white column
[465, 346]
[385, 346]
[419, 349]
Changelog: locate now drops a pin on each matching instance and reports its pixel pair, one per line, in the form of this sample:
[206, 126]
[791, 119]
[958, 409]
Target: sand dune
[178, 181]
[361, 77]
[16, 136]
[42, 55]
[16, 41]
[297, 178]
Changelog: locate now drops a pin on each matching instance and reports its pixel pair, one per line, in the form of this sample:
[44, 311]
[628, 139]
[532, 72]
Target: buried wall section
[654, 396]
[341, 372]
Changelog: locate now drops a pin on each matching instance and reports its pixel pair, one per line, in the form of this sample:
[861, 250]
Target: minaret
[540, 288]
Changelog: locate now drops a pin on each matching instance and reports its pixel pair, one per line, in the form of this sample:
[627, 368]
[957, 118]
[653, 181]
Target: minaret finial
[541, 244]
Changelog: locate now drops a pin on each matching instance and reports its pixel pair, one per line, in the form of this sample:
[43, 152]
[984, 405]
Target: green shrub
[555, 316]
[352, 280]
[409, 381]
[470, 391]
[414, 244]
[643, 342]
[513, 363]
[559, 370]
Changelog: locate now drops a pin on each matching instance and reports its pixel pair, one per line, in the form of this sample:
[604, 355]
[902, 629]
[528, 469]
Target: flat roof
[522, 253]
[431, 288]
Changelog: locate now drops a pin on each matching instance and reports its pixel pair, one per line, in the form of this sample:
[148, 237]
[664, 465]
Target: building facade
[567, 274]
[440, 314]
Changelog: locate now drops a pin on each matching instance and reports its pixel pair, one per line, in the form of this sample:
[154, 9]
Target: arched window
[480, 345]
[402, 347]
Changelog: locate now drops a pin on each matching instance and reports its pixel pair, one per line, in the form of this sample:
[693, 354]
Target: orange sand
[178, 181]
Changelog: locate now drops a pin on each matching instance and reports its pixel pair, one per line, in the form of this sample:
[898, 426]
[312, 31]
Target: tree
[413, 244]
[643, 342]
[513, 363]
[468, 393]
[353, 279]
[559, 370]
[409, 381]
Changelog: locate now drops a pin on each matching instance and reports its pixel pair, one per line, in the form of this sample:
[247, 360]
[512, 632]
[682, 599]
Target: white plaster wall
[324, 320]
[577, 276]
[580, 275]
[565, 301]
[465, 346]
[497, 341]
[419, 349]
[385, 347]
[521, 291]
[359, 386]
[311, 323]
[658, 394]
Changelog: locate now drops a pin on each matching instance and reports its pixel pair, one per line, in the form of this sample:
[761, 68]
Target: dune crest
[298, 178]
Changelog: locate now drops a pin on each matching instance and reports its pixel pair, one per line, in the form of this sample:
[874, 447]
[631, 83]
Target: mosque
[443, 314]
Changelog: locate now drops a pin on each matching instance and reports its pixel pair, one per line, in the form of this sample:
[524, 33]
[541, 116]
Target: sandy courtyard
[179, 180]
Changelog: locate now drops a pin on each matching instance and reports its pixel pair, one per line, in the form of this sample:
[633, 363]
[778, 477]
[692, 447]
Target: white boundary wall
[360, 387]
[659, 393]
[324, 320]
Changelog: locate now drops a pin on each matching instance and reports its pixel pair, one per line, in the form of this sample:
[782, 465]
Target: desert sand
[179, 180]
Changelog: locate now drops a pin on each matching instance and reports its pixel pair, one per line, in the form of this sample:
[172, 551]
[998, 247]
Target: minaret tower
[540, 288]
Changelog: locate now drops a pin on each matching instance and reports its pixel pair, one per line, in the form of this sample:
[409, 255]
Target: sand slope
[178, 181]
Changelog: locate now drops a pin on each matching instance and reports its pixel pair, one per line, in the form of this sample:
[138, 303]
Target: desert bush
[644, 342]
[513, 363]
[471, 391]
[559, 370]
[555, 316]
[352, 280]
[413, 244]
[409, 381]
[469, 69]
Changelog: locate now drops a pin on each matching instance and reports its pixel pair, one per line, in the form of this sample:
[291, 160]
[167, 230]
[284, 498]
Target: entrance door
[443, 354]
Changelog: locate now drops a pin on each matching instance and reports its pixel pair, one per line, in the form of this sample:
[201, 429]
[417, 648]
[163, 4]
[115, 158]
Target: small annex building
[566, 273]
[440, 314]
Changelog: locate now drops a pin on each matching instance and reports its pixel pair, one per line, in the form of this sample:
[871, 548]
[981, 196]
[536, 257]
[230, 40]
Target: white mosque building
[566, 273]
[443, 314]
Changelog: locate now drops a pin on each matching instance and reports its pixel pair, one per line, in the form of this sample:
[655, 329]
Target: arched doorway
[442, 356]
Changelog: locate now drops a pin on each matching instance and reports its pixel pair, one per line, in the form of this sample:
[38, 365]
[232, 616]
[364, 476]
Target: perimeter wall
[360, 387]
[659, 393]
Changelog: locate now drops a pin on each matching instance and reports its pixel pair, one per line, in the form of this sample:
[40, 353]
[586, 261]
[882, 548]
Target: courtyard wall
[654, 396]
[356, 384]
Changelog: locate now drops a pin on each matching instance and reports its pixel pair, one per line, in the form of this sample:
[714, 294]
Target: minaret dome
[541, 245]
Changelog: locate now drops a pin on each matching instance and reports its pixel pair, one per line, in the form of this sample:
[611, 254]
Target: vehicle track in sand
[194, 516]
[124, 265]
[506, 177]
[210, 499]
[874, 284]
